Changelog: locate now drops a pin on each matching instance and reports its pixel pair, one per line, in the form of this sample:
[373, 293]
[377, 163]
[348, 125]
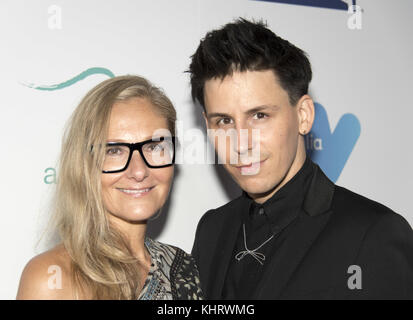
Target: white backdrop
[365, 72]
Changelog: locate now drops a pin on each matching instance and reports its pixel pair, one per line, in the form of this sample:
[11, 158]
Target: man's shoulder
[351, 202]
[361, 212]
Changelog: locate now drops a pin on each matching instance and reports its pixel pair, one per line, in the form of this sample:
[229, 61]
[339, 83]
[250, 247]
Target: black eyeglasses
[156, 153]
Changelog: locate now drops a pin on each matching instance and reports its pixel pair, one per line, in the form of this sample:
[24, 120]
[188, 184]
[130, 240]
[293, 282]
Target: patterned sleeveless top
[173, 274]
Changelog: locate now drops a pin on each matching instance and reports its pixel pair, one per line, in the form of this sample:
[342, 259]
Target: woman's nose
[137, 167]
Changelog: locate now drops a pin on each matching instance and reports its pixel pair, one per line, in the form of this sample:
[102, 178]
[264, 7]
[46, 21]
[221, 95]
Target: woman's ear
[306, 114]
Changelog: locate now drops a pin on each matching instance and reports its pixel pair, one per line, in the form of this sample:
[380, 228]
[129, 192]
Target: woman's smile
[136, 193]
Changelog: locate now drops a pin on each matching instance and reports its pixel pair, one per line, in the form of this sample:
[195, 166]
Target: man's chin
[256, 188]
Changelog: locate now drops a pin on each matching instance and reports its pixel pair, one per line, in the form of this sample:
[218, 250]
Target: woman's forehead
[135, 119]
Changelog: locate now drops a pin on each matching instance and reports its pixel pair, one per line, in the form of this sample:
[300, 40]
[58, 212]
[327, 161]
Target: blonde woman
[115, 173]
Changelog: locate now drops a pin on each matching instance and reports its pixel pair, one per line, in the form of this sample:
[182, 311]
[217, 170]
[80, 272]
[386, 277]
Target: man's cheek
[225, 149]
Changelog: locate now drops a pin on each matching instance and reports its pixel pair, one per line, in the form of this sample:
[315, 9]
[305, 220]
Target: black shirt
[274, 218]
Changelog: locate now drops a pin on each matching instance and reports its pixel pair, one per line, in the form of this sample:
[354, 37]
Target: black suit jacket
[336, 229]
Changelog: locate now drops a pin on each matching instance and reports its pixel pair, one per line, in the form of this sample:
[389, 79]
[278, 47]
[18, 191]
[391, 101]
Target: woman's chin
[134, 217]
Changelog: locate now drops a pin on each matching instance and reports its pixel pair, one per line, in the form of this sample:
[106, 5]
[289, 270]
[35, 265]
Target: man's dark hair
[244, 45]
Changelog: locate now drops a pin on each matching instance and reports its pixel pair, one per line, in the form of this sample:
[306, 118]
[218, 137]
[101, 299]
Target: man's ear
[306, 114]
[205, 118]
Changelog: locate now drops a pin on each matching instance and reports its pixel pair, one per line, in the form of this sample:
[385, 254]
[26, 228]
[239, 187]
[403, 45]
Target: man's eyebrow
[261, 108]
[249, 111]
[218, 114]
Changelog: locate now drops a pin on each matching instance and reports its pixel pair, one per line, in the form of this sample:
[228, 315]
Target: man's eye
[260, 115]
[224, 121]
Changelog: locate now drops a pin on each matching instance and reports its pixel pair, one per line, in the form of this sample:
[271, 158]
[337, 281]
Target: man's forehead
[237, 97]
[242, 78]
[249, 89]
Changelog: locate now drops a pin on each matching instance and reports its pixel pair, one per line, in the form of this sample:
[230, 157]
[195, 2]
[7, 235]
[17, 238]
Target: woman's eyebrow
[116, 140]
[155, 138]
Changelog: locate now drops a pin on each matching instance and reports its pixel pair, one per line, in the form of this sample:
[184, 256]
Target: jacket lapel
[313, 218]
[223, 252]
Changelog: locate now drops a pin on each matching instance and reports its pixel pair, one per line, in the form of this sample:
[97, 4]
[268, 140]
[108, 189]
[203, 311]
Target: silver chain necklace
[260, 257]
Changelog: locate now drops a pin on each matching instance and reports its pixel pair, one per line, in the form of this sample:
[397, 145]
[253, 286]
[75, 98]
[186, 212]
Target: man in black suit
[292, 234]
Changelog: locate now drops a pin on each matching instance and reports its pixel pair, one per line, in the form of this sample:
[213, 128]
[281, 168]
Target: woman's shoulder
[183, 272]
[167, 251]
[47, 276]
[175, 258]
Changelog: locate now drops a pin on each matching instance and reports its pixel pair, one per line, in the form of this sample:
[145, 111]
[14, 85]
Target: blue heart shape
[331, 150]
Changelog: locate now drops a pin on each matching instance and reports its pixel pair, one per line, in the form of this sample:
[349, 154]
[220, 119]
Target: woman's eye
[113, 151]
[156, 147]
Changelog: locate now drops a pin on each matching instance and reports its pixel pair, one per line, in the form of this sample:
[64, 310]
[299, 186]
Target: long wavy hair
[101, 260]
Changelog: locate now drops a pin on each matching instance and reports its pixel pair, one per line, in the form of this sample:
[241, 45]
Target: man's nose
[243, 139]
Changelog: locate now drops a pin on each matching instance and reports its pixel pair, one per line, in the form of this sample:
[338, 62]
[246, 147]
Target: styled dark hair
[249, 45]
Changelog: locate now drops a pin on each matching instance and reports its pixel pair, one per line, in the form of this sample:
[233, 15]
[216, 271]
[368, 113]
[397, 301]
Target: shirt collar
[284, 206]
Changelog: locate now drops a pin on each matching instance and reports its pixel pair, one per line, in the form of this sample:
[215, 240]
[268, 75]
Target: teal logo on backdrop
[329, 4]
[87, 73]
[50, 177]
[331, 149]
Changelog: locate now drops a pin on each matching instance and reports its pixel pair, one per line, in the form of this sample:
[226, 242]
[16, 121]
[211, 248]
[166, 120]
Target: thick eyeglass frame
[138, 146]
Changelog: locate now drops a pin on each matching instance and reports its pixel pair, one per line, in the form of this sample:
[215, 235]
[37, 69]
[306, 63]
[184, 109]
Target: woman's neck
[134, 233]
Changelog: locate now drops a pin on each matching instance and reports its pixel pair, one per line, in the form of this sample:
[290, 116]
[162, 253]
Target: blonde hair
[102, 261]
